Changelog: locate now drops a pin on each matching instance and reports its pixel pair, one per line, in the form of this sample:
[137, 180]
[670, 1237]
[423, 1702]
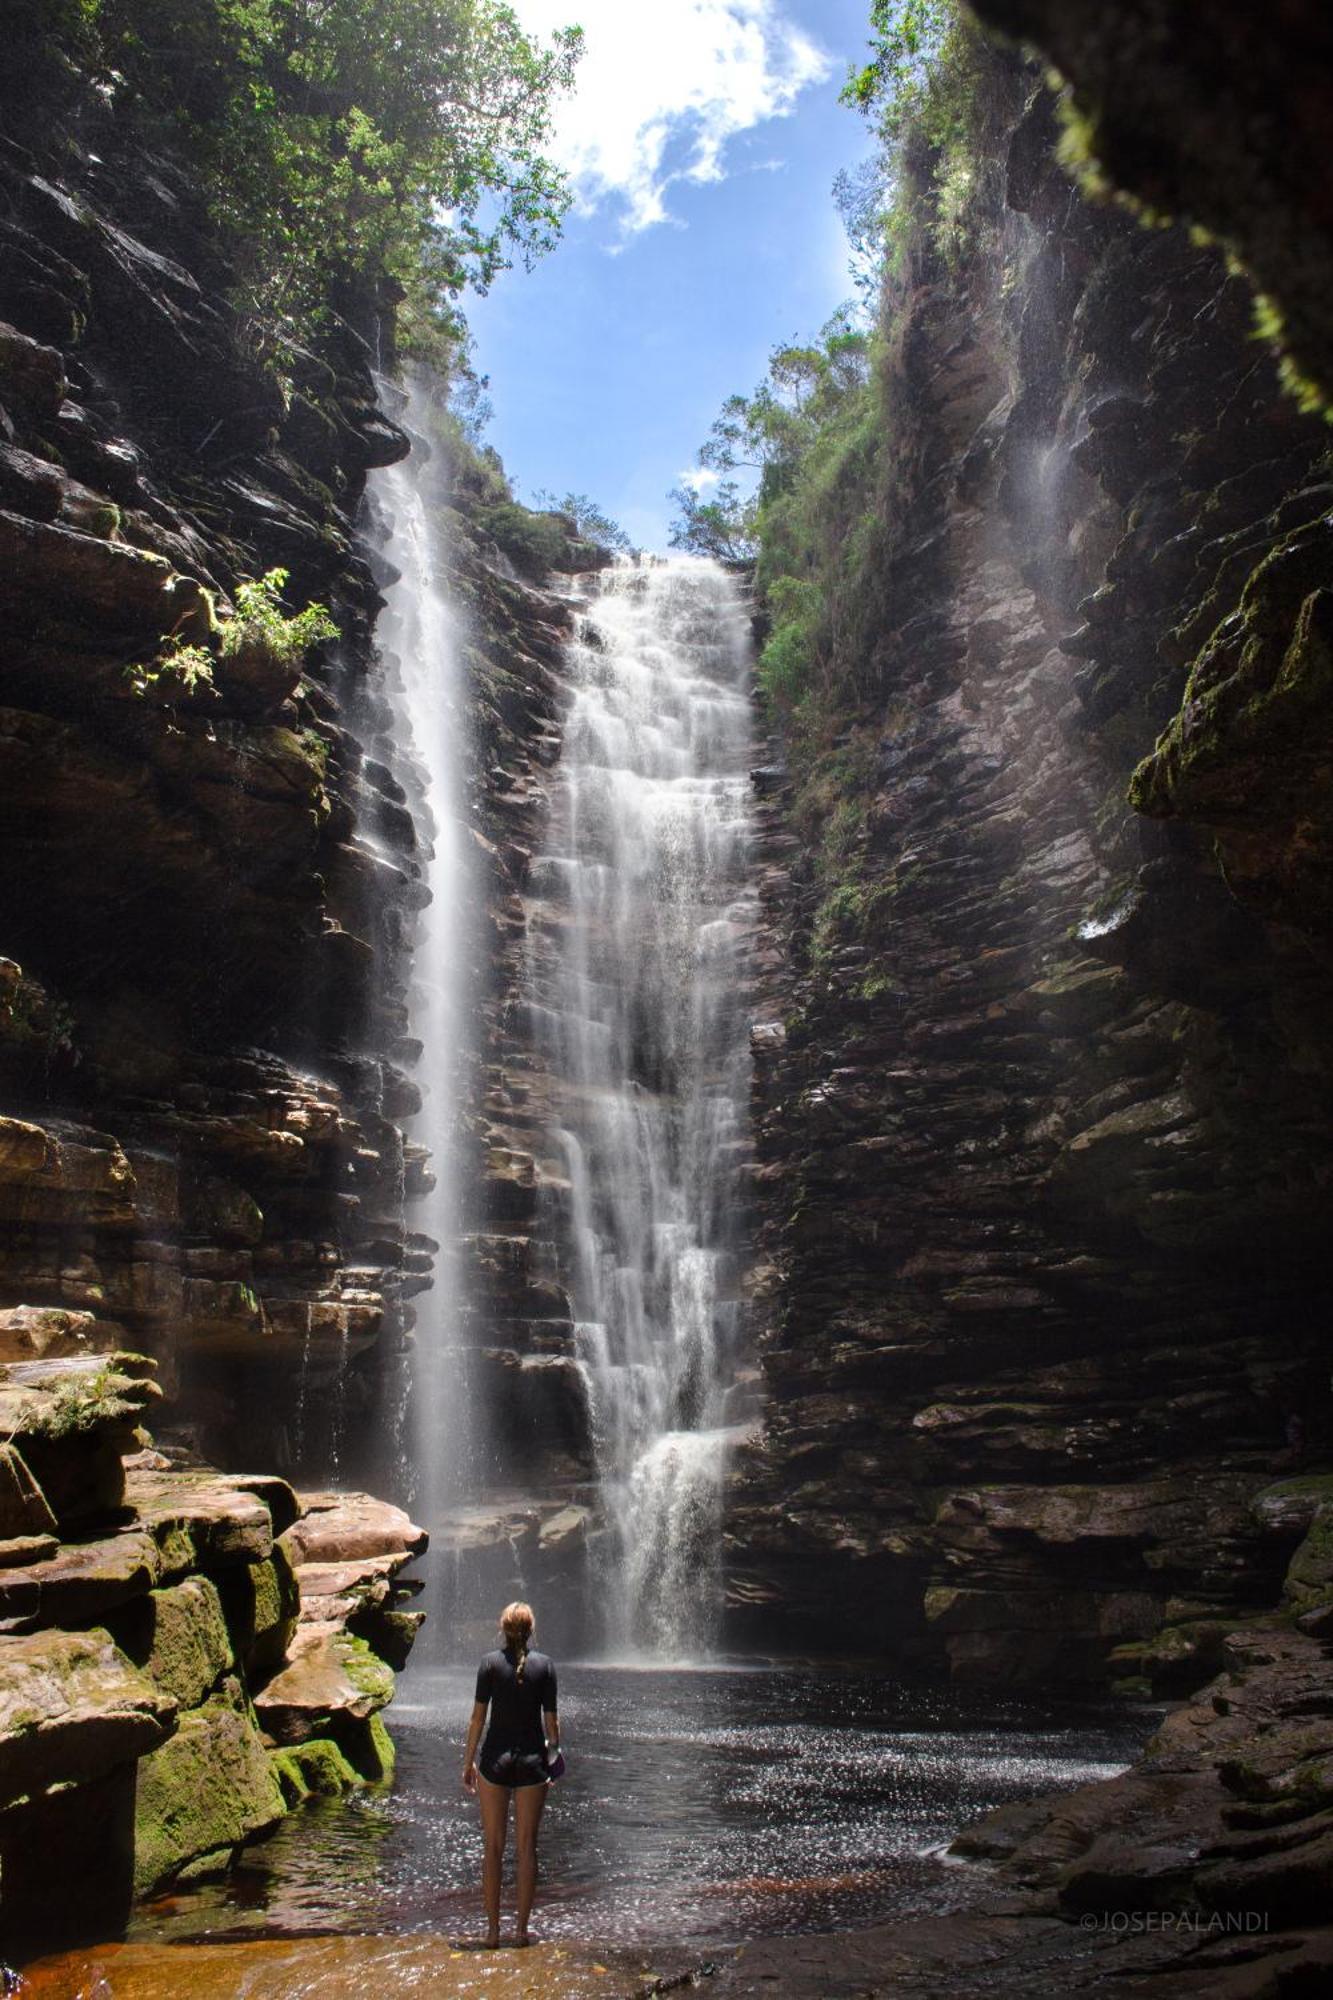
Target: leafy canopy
[395, 143]
[769, 434]
[592, 523]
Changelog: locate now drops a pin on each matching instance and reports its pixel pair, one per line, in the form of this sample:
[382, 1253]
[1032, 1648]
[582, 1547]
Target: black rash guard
[517, 1707]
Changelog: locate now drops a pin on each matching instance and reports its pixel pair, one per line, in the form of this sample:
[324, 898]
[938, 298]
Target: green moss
[381, 1757]
[209, 1788]
[178, 1636]
[316, 1769]
[261, 1602]
[1261, 681]
[1309, 1581]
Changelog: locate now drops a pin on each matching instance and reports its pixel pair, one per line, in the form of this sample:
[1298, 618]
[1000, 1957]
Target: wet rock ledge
[185, 1654]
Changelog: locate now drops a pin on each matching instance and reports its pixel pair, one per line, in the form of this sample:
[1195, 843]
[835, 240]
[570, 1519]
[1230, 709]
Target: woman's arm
[552, 1722]
[474, 1729]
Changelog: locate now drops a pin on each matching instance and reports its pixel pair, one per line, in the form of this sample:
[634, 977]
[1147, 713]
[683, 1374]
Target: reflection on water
[703, 1807]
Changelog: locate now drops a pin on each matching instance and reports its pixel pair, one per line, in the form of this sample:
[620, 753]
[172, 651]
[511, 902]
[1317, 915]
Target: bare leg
[494, 1831]
[529, 1804]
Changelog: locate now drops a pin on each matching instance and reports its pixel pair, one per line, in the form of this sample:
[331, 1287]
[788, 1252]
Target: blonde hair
[516, 1623]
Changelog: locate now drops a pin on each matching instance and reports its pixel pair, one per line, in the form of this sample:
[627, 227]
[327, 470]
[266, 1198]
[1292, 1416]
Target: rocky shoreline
[185, 1655]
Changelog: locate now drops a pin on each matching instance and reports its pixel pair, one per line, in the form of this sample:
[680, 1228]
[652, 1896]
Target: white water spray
[637, 979]
[420, 643]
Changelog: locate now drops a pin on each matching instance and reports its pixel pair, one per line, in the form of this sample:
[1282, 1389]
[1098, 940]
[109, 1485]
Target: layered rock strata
[199, 979]
[184, 1654]
[1203, 1869]
[1043, 1131]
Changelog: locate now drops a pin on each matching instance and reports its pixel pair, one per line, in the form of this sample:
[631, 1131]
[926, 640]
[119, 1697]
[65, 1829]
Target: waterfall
[441, 1429]
[636, 981]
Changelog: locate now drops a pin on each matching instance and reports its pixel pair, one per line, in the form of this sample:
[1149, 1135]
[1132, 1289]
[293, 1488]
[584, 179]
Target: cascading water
[637, 983]
[441, 1431]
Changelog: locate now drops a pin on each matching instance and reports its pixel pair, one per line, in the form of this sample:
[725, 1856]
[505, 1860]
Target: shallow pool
[700, 1805]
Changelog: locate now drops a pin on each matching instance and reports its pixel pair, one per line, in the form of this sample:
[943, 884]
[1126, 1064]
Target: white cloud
[662, 87]
[699, 478]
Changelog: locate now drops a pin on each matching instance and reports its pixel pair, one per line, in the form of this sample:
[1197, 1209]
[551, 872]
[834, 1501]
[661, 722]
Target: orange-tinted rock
[347, 1968]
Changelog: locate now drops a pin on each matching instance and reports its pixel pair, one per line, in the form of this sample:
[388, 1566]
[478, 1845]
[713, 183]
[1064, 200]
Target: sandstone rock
[345, 1527]
[347, 1968]
[23, 1506]
[179, 1638]
[24, 1149]
[30, 1333]
[200, 1518]
[331, 1678]
[262, 1602]
[30, 371]
[83, 1581]
[73, 1418]
[71, 1707]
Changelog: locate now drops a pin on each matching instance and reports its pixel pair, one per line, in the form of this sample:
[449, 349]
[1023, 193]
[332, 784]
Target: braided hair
[516, 1623]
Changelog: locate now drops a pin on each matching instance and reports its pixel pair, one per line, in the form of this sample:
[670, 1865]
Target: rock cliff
[1042, 1115]
[201, 1025]
[184, 1654]
[198, 1155]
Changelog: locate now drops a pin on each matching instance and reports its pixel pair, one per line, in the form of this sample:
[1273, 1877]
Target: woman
[518, 1685]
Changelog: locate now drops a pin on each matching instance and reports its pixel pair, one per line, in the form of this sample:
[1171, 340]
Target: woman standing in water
[518, 1685]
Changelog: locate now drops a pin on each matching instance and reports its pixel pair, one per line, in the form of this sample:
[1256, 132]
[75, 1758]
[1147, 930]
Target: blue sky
[704, 232]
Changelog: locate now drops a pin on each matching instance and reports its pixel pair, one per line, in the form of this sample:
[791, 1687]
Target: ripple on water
[699, 1807]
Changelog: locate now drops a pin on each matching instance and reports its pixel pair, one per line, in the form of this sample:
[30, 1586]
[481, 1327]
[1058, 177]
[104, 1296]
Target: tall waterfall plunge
[637, 987]
[440, 1439]
[626, 1085]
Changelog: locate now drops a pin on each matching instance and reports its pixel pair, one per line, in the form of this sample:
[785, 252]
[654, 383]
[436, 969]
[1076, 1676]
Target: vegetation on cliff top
[825, 444]
[388, 146]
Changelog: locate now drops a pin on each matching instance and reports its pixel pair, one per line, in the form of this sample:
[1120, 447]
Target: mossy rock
[211, 1787]
[1309, 1581]
[179, 1638]
[316, 1769]
[262, 1602]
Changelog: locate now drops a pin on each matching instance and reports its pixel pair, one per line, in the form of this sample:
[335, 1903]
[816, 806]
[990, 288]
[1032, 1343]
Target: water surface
[700, 1806]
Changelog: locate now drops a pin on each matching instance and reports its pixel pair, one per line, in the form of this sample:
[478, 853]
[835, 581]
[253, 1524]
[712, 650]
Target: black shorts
[513, 1768]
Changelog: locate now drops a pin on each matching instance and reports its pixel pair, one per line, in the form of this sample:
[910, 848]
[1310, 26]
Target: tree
[906, 39]
[723, 527]
[592, 524]
[345, 143]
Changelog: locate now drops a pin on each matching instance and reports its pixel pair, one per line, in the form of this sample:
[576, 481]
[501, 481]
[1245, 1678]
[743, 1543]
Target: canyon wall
[1043, 1103]
[197, 1029]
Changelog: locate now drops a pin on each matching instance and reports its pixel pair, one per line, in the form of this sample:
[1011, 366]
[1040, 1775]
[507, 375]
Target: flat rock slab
[344, 1527]
[212, 1519]
[331, 1593]
[348, 1968]
[72, 1707]
[328, 1673]
[82, 1581]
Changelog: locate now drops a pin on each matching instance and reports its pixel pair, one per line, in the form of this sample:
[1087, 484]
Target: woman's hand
[469, 1776]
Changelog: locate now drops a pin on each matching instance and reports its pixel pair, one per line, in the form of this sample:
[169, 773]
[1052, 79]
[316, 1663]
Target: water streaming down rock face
[440, 1439]
[637, 983]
